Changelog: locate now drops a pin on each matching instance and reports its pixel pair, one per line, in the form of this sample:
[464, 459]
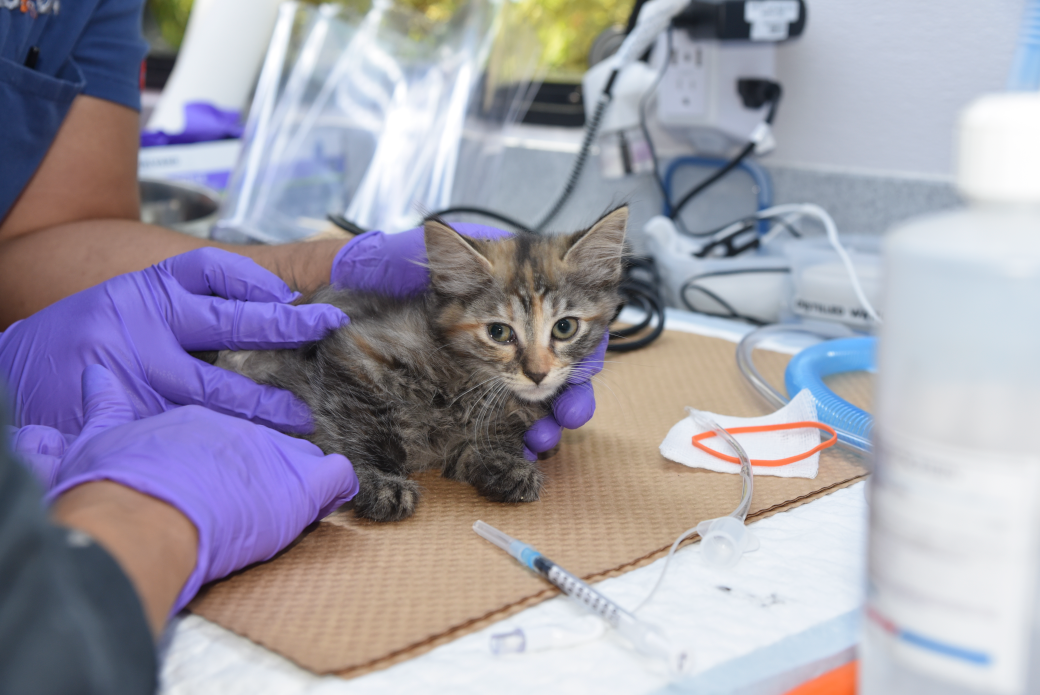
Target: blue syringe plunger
[518, 549]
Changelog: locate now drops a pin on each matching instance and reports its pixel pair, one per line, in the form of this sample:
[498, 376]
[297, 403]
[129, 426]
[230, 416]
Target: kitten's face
[522, 311]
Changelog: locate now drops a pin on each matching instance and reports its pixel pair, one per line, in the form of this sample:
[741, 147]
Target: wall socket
[698, 91]
[683, 93]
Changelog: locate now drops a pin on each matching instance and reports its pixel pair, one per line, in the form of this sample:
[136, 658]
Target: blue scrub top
[91, 47]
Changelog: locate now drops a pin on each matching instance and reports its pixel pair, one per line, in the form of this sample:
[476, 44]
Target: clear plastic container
[954, 543]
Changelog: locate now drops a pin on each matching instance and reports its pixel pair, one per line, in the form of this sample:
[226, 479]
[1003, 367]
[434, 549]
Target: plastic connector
[724, 541]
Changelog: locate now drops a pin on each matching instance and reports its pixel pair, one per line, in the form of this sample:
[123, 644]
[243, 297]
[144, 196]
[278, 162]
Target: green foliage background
[566, 28]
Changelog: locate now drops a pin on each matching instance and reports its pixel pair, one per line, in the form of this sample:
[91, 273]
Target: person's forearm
[154, 543]
[39, 268]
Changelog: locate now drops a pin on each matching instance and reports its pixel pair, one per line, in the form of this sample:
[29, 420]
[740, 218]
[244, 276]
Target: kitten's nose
[536, 377]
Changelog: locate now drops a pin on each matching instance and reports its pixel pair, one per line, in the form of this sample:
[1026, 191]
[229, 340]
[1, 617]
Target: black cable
[642, 294]
[633, 16]
[774, 100]
[462, 209]
[646, 131]
[728, 167]
[747, 224]
[737, 271]
[727, 241]
[733, 313]
[721, 302]
[345, 224]
[591, 129]
[657, 309]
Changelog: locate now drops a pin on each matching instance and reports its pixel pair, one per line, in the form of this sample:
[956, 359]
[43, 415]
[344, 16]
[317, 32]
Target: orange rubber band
[769, 428]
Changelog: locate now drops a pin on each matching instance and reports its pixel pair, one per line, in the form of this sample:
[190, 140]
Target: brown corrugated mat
[353, 596]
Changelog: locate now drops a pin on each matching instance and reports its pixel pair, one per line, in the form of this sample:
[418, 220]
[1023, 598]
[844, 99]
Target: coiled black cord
[641, 292]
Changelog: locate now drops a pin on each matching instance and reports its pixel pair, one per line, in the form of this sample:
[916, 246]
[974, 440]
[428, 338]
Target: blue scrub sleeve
[110, 50]
[91, 47]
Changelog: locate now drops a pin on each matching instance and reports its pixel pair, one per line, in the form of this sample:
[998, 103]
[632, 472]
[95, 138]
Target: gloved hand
[394, 264]
[573, 407]
[248, 490]
[140, 325]
[42, 449]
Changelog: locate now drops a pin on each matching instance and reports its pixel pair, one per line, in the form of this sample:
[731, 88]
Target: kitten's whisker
[486, 381]
[598, 380]
[486, 398]
[489, 411]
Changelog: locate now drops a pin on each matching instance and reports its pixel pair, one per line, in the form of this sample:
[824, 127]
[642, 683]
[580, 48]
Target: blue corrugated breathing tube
[806, 371]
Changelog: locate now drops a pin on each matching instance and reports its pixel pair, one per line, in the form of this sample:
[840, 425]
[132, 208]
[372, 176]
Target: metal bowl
[184, 207]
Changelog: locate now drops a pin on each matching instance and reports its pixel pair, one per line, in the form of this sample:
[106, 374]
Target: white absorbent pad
[767, 446]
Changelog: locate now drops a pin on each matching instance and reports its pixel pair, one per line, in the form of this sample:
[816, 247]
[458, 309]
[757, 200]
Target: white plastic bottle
[952, 604]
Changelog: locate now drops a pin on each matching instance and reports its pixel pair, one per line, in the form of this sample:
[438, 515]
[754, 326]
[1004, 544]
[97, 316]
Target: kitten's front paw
[387, 498]
[519, 480]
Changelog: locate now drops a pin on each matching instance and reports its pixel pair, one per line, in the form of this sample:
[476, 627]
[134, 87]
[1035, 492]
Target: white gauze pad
[678, 445]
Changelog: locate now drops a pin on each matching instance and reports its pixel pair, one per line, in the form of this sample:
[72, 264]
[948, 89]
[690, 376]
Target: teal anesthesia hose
[806, 371]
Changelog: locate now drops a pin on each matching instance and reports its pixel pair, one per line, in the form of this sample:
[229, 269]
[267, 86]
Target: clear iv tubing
[845, 418]
[740, 513]
[646, 638]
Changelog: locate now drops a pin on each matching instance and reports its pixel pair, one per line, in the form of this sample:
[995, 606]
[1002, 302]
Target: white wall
[874, 86]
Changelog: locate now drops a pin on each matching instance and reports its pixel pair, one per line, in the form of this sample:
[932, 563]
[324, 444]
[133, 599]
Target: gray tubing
[747, 367]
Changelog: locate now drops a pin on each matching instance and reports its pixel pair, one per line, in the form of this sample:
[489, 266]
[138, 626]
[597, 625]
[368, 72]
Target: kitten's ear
[597, 252]
[456, 267]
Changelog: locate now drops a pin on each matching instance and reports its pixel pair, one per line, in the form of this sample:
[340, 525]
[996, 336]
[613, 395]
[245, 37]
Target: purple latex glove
[203, 122]
[139, 326]
[572, 408]
[394, 264]
[42, 449]
[248, 490]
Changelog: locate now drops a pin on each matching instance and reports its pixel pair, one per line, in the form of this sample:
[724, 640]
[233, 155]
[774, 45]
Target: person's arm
[153, 543]
[70, 620]
[76, 223]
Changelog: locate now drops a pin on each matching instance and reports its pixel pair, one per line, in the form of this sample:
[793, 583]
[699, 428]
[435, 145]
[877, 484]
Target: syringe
[646, 638]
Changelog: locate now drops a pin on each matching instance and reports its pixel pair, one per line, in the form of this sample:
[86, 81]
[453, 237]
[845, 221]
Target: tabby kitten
[452, 379]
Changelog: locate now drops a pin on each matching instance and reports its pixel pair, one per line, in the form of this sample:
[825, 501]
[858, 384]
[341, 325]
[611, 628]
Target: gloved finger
[530, 455]
[188, 381]
[105, 402]
[543, 435]
[328, 478]
[375, 261]
[592, 364]
[575, 406]
[210, 271]
[212, 323]
[41, 448]
[333, 482]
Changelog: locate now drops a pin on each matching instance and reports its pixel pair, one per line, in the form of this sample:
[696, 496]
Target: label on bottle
[952, 569]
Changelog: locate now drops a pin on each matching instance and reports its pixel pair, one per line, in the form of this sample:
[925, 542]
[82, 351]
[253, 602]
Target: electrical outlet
[683, 94]
[698, 91]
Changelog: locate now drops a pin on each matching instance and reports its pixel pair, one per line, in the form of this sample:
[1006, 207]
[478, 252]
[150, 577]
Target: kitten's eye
[565, 328]
[500, 333]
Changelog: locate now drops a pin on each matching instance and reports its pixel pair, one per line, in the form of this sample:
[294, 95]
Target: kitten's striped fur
[421, 383]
